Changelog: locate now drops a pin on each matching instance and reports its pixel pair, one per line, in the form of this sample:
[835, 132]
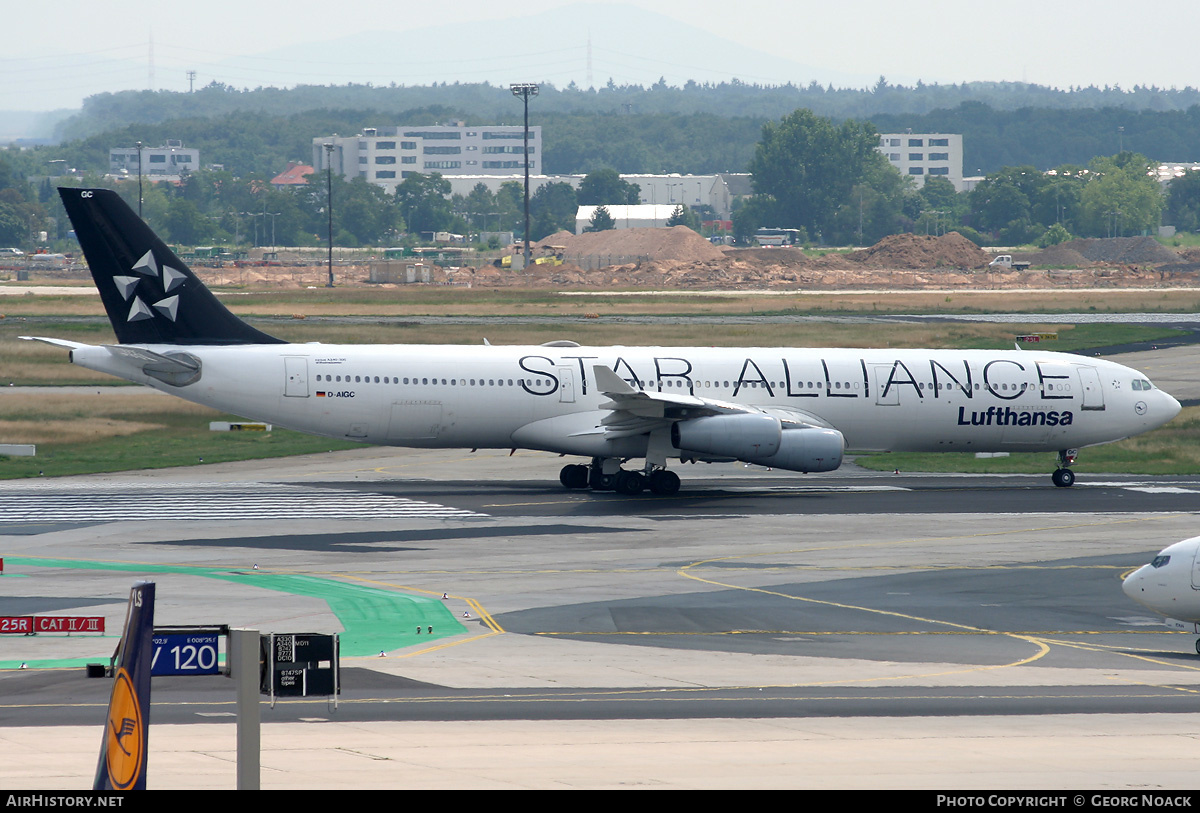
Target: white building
[690, 190]
[463, 184]
[638, 216]
[1165, 173]
[925, 155]
[388, 155]
[172, 160]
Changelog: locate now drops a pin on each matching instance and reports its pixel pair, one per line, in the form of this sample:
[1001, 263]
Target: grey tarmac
[766, 631]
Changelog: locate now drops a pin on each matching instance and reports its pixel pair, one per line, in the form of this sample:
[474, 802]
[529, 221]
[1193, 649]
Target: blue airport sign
[185, 653]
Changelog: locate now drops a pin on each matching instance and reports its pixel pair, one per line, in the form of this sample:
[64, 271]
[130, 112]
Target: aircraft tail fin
[123, 751]
[150, 295]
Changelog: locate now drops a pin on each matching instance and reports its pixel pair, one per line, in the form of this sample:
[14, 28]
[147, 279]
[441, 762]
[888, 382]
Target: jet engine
[729, 436]
[806, 449]
[760, 439]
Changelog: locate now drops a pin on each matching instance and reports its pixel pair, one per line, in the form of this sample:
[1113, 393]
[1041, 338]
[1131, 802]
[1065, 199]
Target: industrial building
[171, 160]
[387, 155]
[925, 155]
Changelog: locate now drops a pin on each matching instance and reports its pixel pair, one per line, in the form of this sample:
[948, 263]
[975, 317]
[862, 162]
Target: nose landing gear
[1063, 477]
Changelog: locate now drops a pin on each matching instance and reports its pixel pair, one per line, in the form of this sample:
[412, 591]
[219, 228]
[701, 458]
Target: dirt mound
[1059, 256]
[1122, 250]
[916, 251]
[676, 243]
[788, 257]
[559, 238]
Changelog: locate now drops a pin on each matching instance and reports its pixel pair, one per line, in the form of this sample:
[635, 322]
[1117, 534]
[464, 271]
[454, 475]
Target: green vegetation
[805, 167]
[164, 434]
[630, 129]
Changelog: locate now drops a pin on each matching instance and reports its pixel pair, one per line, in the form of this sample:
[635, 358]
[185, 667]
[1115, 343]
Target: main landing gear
[1063, 477]
[606, 474]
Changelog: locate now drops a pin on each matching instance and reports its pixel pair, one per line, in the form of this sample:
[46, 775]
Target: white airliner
[1170, 585]
[796, 409]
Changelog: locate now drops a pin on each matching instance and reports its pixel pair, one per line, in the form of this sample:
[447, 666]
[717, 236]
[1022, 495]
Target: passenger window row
[1138, 384]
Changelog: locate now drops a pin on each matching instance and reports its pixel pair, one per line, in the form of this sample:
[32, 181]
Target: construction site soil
[680, 259]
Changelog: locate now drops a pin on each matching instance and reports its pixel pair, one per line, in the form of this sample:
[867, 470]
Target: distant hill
[495, 104]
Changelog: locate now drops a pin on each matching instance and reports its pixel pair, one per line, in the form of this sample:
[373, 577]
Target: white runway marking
[1161, 490]
[812, 489]
[113, 502]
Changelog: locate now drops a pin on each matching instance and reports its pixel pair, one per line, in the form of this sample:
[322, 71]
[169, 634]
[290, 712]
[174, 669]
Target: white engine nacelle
[736, 436]
[760, 439]
[805, 450]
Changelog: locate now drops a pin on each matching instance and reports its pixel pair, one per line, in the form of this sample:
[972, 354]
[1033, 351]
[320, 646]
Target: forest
[1082, 146]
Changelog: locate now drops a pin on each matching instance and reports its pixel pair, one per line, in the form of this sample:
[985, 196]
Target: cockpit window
[1142, 384]
[1159, 561]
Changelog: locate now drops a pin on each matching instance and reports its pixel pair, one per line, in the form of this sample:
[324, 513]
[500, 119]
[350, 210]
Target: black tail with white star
[150, 295]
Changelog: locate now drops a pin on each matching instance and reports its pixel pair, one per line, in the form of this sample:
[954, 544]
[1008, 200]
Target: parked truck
[1006, 261]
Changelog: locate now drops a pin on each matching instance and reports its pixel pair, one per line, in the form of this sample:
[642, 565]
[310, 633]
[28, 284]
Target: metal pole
[329, 205]
[525, 90]
[525, 160]
[244, 657]
[139, 146]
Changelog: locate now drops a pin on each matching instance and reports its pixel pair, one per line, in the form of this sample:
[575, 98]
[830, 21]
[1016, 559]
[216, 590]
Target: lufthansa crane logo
[148, 268]
[124, 741]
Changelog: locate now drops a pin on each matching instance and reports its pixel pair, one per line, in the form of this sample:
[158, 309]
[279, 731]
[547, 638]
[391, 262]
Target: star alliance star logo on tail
[147, 267]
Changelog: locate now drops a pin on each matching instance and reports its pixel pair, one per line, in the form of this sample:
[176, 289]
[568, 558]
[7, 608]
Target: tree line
[107, 111]
[246, 142]
[828, 180]
[218, 207]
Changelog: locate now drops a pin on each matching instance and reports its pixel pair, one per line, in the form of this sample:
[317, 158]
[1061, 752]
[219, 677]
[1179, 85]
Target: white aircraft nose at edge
[1170, 585]
[797, 409]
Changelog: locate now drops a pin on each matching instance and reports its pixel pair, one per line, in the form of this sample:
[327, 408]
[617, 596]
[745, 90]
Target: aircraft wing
[635, 412]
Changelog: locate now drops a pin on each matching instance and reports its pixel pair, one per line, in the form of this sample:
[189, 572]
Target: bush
[1054, 235]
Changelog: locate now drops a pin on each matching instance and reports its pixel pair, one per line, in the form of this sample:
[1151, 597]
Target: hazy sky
[57, 52]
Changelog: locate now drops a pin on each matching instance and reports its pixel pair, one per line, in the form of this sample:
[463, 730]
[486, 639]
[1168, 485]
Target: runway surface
[758, 629]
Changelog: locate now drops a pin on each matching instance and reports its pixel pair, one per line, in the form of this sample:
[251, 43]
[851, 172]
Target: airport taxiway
[751, 612]
[760, 629]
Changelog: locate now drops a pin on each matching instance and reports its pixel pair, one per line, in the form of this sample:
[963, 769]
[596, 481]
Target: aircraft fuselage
[499, 396]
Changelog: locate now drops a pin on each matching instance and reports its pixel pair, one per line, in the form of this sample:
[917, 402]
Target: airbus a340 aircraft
[1170, 585]
[797, 409]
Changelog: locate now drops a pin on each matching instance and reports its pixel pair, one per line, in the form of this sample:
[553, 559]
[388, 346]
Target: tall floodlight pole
[139, 146]
[524, 90]
[329, 204]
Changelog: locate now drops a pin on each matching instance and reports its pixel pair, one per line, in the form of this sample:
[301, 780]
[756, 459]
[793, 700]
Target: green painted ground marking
[372, 619]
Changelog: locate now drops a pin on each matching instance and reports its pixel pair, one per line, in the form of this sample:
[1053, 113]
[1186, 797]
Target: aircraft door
[1196, 569]
[566, 386]
[415, 421]
[1093, 393]
[885, 395]
[295, 370]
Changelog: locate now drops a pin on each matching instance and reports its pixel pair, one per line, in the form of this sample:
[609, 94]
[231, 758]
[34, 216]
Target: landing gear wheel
[664, 482]
[574, 476]
[599, 481]
[1063, 478]
[630, 483]
[1198, 647]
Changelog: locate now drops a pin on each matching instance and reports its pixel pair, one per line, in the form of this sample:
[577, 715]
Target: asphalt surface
[758, 629]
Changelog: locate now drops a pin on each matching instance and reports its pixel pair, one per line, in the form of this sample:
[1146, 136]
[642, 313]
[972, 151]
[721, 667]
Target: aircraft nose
[1173, 406]
[1132, 585]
